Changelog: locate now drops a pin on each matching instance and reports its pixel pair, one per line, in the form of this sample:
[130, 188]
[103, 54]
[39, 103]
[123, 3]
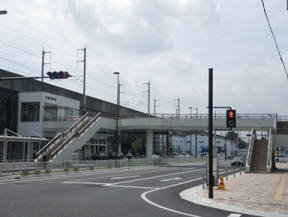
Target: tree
[137, 145]
[233, 135]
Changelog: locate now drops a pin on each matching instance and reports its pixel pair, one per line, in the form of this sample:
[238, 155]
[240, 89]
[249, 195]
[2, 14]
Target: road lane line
[143, 196]
[154, 177]
[108, 185]
[125, 177]
[135, 173]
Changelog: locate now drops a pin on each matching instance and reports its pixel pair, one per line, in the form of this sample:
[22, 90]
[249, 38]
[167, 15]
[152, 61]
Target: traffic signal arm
[20, 78]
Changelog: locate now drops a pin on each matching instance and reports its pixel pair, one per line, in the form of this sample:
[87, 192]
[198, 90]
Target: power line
[274, 38]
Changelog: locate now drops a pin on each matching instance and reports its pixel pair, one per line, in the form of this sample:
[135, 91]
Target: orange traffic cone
[222, 185]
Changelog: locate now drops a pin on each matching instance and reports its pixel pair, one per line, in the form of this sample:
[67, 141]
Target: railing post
[19, 166]
[203, 180]
[13, 167]
[234, 171]
[226, 174]
[240, 169]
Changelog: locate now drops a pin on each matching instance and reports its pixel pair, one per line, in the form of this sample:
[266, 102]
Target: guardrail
[174, 116]
[56, 167]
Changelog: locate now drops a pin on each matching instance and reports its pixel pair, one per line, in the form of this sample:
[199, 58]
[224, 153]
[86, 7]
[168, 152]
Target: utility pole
[148, 97]
[84, 78]
[43, 63]
[155, 106]
[178, 108]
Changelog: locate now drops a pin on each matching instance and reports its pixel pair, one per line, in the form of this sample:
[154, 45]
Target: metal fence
[28, 168]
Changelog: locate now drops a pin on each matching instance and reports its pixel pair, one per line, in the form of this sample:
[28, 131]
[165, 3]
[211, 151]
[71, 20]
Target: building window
[30, 111]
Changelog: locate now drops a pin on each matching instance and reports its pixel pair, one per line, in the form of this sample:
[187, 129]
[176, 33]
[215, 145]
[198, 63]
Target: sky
[168, 44]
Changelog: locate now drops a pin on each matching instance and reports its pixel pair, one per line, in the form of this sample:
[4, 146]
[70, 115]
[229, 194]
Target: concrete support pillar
[23, 151]
[119, 149]
[149, 144]
[106, 146]
[28, 151]
[4, 150]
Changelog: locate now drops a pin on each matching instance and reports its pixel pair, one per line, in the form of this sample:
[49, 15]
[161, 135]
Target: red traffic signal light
[64, 75]
[230, 118]
[58, 75]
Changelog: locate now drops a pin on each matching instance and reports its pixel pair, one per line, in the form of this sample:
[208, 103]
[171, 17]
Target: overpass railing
[270, 150]
[250, 150]
[196, 116]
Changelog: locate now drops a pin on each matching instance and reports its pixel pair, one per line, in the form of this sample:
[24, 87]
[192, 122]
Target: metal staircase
[63, 140]
[259, 156]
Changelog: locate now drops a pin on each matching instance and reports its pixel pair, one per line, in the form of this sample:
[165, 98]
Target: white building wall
[25, 128]
[203, 142]
[178, 142]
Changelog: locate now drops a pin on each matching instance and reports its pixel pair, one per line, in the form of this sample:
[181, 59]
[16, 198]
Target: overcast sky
[169, 43]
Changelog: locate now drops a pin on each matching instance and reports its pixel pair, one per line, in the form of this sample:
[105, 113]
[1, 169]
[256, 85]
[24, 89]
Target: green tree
[233, 135]
[137, 146]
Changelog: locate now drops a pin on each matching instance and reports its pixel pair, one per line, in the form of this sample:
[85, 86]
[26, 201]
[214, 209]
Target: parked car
[100, 156]
[156, 158]
[114, 157]
[238, 161]
[184, 155]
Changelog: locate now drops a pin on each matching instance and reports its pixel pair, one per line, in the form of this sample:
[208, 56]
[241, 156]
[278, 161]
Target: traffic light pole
[210, 111]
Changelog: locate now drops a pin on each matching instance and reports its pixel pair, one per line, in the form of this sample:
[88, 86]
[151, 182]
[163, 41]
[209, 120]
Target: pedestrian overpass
[61, 147]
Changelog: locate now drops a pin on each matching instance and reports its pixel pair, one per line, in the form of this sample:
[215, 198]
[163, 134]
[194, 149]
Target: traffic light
[58, 75]
[231, 118]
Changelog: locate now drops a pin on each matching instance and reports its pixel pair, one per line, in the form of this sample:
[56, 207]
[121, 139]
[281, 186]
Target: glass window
[30, 111]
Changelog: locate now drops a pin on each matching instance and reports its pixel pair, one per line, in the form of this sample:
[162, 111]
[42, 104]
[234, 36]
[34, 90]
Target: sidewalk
[250, 193]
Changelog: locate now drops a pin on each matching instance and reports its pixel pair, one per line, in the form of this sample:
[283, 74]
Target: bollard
[240, 169]
[226, 174]
[234, 171]
[13, 167]
[203, 181]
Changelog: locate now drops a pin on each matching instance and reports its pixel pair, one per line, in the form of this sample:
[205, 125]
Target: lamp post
[196, 112]
[3, 12]
[190, 111]
[117, 112]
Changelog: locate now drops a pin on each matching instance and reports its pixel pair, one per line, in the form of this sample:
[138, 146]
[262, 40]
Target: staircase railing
[73, 136]
[270, 150]
[250, 150]
[59, 136]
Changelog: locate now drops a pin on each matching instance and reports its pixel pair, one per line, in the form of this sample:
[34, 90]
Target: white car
[156, 158]
[184, 155]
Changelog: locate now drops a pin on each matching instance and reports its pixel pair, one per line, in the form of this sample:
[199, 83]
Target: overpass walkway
[64, 144]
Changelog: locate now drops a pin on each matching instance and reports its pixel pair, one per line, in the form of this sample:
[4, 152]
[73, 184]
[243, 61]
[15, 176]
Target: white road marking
[125, 177]
[154, 177]
[143, 196]
[108, 185]
[166, 180]
[234, 215]
[49, 177]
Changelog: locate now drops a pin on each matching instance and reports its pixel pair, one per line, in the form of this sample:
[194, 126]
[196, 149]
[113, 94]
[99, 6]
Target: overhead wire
[134, 83]
[274, 38]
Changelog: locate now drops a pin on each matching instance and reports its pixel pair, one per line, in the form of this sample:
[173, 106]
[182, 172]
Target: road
[141, 192]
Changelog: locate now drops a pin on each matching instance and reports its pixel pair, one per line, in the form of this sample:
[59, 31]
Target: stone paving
[252, 193]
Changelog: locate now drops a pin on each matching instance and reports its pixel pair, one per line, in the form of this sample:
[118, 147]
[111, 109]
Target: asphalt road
[141, 192]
